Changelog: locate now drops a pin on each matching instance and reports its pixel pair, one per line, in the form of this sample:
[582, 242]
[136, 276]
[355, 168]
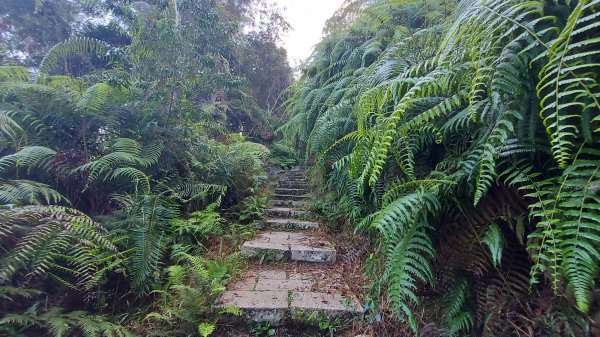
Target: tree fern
[16, 73]
[45, 234]
[27, 192]
[11, 128]
[28, 157]
[93, 98]
[125, 154]
[72, 46]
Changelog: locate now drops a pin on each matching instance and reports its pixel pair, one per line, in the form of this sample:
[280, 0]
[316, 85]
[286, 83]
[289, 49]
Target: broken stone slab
[257, 306]
[290, 246]
[306, 253]
[292, 224]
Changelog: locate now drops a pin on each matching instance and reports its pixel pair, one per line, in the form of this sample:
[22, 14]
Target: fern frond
[93, 98]
[29, 157]
[11, 128]
[408, 263]
[566, 239]
[14, 73]
[72, 46]
[493, 239]
[50, 233]
[27, 192]
[567, 86]
[456, 314]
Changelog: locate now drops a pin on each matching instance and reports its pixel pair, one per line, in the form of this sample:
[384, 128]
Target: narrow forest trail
[292, 277]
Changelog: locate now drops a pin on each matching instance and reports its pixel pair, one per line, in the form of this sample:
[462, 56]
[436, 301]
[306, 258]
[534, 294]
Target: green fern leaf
[493, 239]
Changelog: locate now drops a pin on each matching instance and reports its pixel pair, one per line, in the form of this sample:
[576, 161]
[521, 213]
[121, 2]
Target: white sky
[307, 18]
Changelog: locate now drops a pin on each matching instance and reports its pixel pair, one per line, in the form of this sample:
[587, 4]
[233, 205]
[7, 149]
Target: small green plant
[327, 326]
[198, 225]
[263, 329]
[254, 209]
[206, 329]
[270, 256]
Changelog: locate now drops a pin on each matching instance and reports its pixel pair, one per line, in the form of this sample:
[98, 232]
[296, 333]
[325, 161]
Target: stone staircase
[302, 283]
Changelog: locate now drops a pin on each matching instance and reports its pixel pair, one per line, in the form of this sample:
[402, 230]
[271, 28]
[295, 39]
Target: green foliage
[198, 225]
[282, 155]
[253, 208]
[53, 241]
[72, 46]
[263, 329]
[60, 324]
[206, 329]
[124, 154]
[568, 86]
[136, 119]
[565, 241]
[457, 317]
[493, 239]
[420, 114]
[190, 287]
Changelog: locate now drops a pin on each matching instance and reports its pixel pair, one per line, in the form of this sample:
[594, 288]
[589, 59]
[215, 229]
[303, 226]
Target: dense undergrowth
[133, 148]
[461, 137]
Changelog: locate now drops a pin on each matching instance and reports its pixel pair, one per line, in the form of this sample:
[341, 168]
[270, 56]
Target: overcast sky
[307, 18]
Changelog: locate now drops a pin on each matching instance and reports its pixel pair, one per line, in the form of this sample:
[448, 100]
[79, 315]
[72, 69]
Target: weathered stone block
[313, 254]
[275, 251]
[258, 306]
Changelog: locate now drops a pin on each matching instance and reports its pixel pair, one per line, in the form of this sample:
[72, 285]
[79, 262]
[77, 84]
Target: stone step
[292, 224]
[277, 295]
[289, 246]
[290, 191]
[291, 184]
[287, 197]
[287, 203]
[287, 212]
[294, 177]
